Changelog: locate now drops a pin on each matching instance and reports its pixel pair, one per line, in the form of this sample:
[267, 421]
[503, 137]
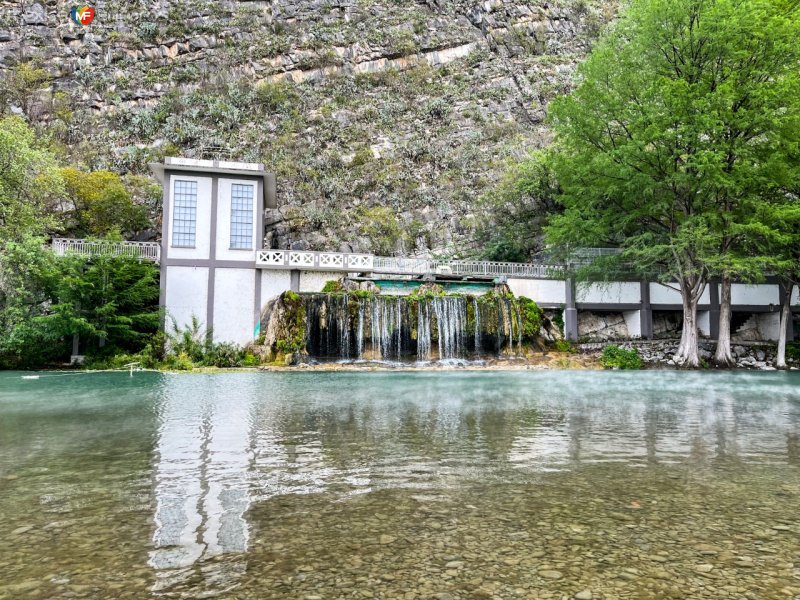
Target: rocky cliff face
[384, 120]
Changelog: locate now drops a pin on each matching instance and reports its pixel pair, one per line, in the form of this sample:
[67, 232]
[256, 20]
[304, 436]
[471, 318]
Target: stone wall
[760, 356]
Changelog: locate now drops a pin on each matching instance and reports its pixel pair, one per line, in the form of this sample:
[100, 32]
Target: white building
[212, 226]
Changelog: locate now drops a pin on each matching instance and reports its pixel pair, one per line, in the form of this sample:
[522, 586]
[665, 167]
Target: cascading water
[374, 327]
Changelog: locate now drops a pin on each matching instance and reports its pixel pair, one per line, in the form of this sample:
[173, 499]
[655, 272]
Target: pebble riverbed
[445, 486]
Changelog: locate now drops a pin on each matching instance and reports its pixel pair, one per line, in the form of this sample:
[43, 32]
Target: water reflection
[227, 441]
[204, 457]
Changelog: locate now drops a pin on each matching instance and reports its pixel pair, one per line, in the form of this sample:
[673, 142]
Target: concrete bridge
[212, 266]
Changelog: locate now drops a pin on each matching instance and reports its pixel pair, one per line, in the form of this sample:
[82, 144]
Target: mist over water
[291, 484]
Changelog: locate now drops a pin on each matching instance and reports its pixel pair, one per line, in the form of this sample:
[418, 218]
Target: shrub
[275, 96]
[190, 341]
[564, 346]
[224, 355]
[615, 357]
[793, 351]
[333, 286]
[250, 360]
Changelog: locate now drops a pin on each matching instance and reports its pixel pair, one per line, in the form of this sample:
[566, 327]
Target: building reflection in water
[226, 441]
[202, 488]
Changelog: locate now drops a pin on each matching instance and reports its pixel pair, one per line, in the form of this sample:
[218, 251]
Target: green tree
[685, 111]
[21, 86]
[102, 205]
[514, 212]
[110, 302]
[30, 183]
[781, 238]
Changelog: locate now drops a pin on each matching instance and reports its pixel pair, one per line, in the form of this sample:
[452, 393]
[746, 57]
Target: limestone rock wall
[384, 120]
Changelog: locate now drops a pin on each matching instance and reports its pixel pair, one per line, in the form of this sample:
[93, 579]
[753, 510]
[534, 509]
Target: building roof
[219, 167]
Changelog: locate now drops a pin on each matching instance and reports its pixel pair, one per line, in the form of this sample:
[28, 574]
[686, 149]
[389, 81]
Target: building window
[184, 215]
[241, 216]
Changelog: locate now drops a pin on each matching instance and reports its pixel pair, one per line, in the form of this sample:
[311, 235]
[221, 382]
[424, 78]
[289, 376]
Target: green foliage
[492, 296]
[20, 86]
[793, 351]
[30, 184]
[684, 124]
[674, 134]
[110, 302]
[291, 297]
[426, 291]
[615, 357]
[531, 317]
[276, 96]
[294, 339]
[362, 157]
[102, 206]
[380, 225]
[564, 346]
[363, 294]
[190, 341]
[224, 355]
[193, 346]
[333, 286]
[514, 212]
[558, 319]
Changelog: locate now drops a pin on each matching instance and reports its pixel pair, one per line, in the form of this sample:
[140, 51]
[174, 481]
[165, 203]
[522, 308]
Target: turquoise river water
[443, 485]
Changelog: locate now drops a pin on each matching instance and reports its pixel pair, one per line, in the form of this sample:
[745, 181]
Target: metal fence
[465, 268]
[142, 250]
[391, 265]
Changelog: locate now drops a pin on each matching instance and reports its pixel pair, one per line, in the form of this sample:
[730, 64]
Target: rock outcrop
[385, 121]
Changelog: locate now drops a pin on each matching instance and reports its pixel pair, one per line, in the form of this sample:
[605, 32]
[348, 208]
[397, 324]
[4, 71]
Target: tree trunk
[687, 356]
[723, 356]
[786, 317]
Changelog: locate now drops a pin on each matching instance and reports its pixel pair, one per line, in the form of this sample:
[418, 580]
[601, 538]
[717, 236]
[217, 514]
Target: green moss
[426, 292]
[295, 339]
[291, 297]
[558, 319]
[531, 317]
[363, 294]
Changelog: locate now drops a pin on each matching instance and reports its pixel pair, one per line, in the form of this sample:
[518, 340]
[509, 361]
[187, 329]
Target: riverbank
[758, 356]
[655, 354]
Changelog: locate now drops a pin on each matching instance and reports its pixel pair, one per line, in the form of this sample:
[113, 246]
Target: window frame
[183, 196]
[234, 211]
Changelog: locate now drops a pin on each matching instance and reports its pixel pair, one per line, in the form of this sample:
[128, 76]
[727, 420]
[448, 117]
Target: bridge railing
[143, 250]
[391, 265]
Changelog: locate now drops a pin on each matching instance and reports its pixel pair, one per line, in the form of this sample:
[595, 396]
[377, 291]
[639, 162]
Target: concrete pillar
[645, 312]
[713, 314]
[570, 312]
[769, 324]
[294, 281]
[706, 321]
[633, 321]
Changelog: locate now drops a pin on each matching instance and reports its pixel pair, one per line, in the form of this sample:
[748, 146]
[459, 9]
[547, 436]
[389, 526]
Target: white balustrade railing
[345, 262]
[143, 250]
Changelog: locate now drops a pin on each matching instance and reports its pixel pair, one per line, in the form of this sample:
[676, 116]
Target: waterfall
[451, 318]
[478, 333]
[366, 327]
[424, 331]
[360, 332]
